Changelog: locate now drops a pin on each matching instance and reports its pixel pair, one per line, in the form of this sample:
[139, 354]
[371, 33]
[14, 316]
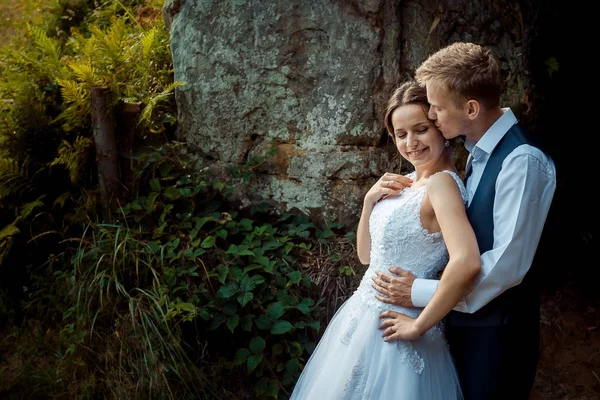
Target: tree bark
[127, 118]
[106, 151]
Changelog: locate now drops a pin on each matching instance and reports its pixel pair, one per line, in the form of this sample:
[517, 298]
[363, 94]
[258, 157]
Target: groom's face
[443, 111]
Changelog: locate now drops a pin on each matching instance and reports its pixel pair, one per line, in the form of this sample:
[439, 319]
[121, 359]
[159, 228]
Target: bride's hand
[398, 327]
[388, 185]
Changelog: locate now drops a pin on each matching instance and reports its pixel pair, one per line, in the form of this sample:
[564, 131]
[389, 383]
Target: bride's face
[417, 138]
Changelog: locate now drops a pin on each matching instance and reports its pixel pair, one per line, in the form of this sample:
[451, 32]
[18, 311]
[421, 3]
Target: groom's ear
[473, 107]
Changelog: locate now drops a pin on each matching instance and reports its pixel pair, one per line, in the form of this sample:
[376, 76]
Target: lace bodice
[399, 239]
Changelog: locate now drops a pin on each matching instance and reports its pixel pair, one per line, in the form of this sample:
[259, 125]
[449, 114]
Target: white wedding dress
[352, 361]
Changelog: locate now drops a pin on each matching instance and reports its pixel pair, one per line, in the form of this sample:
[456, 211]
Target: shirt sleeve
[524, 190]
[423, 290]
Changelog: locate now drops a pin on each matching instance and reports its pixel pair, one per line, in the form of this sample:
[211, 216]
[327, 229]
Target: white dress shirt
[524, 191]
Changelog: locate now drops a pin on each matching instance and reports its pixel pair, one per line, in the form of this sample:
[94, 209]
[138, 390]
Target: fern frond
[75, 116]
[96, 33]
[48, 46]
[10, 167]
[147, 41]
[90, 46]
[27, 208]
[73, 157]
[110, 43]
[71, 91]
[147, 112]
[9, 230]
[115, 37]
[77, 113]
[85, 72]
[13, 185]
[60, 200]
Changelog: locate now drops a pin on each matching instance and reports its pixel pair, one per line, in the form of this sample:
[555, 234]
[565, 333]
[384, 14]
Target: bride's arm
[463, 266]
[363, 237]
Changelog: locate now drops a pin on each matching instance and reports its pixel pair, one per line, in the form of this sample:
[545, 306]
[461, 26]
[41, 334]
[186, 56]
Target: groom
[493, 333]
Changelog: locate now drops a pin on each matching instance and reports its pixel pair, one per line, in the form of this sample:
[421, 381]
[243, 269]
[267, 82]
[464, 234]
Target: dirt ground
[569, 367]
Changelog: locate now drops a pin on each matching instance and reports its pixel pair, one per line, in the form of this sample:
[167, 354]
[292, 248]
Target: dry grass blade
[334, 268]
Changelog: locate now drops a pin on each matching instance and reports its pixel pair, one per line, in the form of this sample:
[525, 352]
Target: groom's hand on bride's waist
[394, 287]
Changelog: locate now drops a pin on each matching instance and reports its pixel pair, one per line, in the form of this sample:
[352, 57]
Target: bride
[417, 221]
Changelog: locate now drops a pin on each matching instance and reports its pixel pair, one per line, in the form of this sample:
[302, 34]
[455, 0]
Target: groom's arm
[422, 291]
[524, 191]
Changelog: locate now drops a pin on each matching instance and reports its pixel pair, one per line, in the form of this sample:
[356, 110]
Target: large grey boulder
[311, 78]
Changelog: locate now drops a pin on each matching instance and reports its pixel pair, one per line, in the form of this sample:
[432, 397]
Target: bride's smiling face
[417, 139]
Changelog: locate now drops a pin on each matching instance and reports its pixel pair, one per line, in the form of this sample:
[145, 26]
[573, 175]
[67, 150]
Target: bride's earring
[446, 143]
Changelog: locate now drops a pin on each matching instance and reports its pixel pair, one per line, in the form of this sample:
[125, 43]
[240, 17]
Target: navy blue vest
[521, 302]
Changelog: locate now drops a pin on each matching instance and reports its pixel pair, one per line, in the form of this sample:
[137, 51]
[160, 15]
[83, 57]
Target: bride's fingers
[391, 337]
[386, 324]
[389, 331]
[388, 314]
[397, 179]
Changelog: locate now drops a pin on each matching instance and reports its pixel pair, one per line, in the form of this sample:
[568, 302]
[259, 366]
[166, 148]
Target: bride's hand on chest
[389, 184]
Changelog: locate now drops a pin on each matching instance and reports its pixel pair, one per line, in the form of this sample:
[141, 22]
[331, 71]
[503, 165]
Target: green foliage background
[177, 297]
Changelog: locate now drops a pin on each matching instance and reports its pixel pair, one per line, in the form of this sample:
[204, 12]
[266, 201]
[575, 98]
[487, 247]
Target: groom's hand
[396, 288]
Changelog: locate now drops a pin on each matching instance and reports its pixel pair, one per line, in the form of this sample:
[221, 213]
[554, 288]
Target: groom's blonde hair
[467, 71]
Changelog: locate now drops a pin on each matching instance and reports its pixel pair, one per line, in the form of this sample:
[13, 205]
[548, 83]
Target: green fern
[110, 44]
[146, 114]
[47, 62]
[14, 180]
[8, 231]
[77, 100]
[9, 166]
[71, 91]
[6, 239]
[27, 208]
[46, 45]
[85, 72]
[552, 65]
[74, 156]
[60, 200]
[147, 43]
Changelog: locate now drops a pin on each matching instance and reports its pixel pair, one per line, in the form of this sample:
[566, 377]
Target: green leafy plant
[236, 277]
[48, 176]
[182, 288]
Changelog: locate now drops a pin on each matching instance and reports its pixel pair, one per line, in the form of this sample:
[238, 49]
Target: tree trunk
[127, 118]
[106, 151]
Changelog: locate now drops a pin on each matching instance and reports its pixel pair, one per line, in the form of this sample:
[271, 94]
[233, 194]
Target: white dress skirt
[351, 360]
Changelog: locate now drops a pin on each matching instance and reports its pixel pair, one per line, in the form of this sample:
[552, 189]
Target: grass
[29, 366]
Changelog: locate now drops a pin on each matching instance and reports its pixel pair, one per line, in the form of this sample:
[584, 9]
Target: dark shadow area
[562, 128]
[570, 334]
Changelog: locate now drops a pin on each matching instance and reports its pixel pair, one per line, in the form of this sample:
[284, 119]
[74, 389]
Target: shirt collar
[492, 136]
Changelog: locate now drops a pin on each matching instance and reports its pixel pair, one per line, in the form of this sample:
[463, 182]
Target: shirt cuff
[461, 306]
[422, 291]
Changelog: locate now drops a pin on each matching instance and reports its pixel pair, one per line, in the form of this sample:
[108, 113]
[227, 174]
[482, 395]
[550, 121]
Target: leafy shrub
[181, 295]
[182, 291]
[48, 176]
